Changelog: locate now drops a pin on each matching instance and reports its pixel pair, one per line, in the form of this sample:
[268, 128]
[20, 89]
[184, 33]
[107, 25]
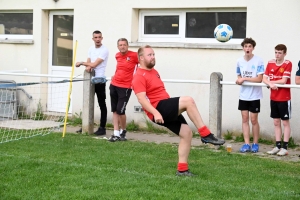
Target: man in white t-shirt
[97, 60]
[250, 68]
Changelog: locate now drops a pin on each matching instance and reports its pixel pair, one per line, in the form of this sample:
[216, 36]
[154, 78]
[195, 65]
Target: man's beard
[150, 65]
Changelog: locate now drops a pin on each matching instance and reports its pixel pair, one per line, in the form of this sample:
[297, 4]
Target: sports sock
[204, 131]
[117, 133]
[285, 145]
[278, 144]
[182, 167]
[121, 131]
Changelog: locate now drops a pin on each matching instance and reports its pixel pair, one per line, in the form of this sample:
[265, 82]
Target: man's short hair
[122, 39]
[97, 32]
[248, 41]
[281, 47]
[141, 50]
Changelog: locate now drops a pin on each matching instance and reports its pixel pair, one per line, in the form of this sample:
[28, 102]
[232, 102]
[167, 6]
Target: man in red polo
[120, 88]
[166, 111]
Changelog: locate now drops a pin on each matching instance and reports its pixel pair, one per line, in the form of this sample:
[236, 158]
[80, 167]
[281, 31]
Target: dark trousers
[100, 90]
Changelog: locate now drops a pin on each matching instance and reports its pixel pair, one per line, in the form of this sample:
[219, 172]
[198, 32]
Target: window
[16, 25]
[191, 26]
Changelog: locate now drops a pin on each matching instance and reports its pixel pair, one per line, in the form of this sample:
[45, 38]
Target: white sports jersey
[102, 53]
[251, 68]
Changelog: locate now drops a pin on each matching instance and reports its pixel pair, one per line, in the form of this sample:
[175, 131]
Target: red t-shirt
[125, 68]
[149, 81]
[277, 72]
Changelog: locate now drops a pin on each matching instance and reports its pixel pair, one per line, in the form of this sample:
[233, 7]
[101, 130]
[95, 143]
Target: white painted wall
[269, 22]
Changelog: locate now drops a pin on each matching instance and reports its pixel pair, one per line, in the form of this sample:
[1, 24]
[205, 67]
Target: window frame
[17, 36]
[180, 38]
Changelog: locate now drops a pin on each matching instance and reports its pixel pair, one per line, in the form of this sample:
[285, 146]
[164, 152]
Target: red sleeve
[139, 84]
[267, 70]
[137, 58]
[288, 70]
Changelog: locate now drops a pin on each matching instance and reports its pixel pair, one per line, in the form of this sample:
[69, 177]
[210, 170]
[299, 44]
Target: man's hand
[88, 69]
[239, 81]
[158, 118]
[78, 64]
[273, 86]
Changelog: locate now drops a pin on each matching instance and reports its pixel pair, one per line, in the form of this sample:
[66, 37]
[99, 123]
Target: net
[31, 109]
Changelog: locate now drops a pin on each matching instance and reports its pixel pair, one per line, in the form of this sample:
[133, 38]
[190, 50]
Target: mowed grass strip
[80, 167]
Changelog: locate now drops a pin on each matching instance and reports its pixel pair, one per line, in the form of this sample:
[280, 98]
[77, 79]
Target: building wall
[269, 22]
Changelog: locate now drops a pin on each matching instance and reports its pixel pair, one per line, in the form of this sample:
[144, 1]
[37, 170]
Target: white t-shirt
[251, 68]
[102, 53]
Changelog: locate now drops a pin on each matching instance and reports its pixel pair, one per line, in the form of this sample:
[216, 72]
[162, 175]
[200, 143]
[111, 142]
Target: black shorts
[252, 106]
[168, 109]
[119, 98]
[281, 109]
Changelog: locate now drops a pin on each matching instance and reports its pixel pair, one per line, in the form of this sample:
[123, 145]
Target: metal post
[88, 104]
[215, 104]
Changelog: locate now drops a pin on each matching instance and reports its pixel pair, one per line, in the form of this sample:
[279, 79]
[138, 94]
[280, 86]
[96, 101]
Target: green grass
[228, 135]
[132, 126]
[80, 167]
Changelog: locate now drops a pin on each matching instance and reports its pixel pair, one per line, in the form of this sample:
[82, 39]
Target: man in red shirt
[278, 71]
[166, 111]
[120, 88]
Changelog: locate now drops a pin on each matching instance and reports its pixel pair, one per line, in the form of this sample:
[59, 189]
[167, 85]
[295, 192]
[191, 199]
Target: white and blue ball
[223, 33]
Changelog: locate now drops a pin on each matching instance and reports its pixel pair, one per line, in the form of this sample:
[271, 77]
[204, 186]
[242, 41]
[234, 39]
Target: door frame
[52, 68]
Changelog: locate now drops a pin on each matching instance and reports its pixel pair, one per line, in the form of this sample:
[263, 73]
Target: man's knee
[185, 132]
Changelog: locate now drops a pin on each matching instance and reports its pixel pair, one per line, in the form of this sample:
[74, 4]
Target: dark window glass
[62, 40]
[161, 24]
[202, 25]
[16, 23]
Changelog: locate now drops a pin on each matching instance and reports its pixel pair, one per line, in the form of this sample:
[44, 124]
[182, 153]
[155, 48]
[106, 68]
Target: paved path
[166, 138]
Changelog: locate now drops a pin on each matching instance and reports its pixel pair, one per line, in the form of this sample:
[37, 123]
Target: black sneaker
[212, 140]
[114, 138]
[100, 131]
[123, 136]
[185, 173]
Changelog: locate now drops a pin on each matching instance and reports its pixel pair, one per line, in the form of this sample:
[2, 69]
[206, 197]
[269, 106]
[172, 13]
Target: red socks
[182, 167]
[204, 131]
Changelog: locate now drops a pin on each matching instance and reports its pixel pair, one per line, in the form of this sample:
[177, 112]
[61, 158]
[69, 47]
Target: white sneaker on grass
[273, 151]
[282, 152]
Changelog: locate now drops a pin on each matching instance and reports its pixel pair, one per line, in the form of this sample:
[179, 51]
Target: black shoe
[114, 138]
[79, 131]
[212, 140]
[100, 131]
[123, 136]
[185, 173]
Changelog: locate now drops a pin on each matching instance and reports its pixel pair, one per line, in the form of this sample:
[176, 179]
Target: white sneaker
[282, 152]
[273, 151]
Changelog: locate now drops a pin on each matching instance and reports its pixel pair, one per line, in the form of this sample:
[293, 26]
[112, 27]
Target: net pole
[70, 91]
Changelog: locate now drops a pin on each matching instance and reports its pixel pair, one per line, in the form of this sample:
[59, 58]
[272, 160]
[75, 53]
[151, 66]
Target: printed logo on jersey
[272, 70]
[247, 74]
[128, 58]
[253, 67]
[281, 70]
[158, 75]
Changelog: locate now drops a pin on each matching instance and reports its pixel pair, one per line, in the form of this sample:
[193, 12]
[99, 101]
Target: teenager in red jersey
[166, 111]
[278, 71]
[120, 88]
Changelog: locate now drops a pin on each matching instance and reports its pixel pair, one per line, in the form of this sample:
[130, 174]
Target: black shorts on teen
[281, 109]
[252, 106]
[119, 98]
[168, 108]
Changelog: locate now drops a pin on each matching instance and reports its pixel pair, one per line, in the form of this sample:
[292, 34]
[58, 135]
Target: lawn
[80, 167]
